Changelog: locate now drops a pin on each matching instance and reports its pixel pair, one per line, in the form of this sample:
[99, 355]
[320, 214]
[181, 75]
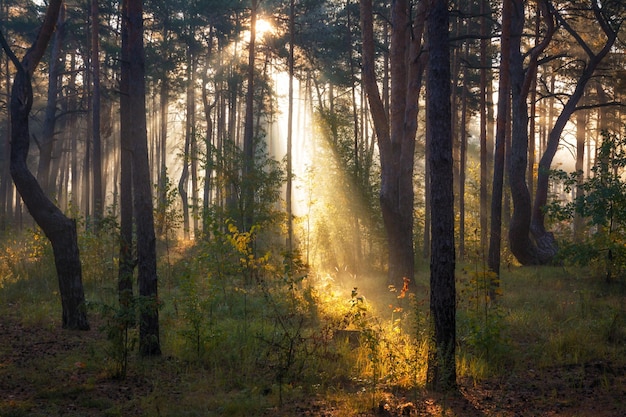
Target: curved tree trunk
[545, 240]
[529, 221]
[60, 230]
[526, 250]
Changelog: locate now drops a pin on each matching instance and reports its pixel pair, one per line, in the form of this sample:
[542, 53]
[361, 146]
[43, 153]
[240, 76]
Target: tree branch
[538, 49]
[600, 105]
[38, 48]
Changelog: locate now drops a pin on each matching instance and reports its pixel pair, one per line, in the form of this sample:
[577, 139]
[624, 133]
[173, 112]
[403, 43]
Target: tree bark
[526, 250]
[6, 187]
[288, 193]
[183, 182]
[484, 152]
[210, 145]
[441, 374]
[193, 150]
[98, 195]
[528, 220]
[248, 135]
[72, 105]
[546, 244]
[46, 143]
[396, 133]
[504, 100]
[164, 92]
[126, 260]
[581, 137]
[60, 230]
[149, 342]
[532, 143]
[519, 237]
[463, 155]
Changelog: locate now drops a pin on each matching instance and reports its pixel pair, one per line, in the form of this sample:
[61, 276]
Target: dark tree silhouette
[149, 343]
[59, 229]
[504, 99]
[126, 261]
[529, 240]
[248, 134]
[441, 374]
[396, 131]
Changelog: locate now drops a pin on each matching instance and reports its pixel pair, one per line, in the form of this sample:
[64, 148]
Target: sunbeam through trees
[323, 208]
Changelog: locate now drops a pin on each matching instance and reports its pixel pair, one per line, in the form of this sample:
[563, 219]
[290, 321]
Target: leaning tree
[58, 228]
[530, 242]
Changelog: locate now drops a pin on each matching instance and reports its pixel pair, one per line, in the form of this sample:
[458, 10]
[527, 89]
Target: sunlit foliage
[601, 200]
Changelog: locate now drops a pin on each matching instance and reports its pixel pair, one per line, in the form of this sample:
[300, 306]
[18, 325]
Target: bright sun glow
[264, 27]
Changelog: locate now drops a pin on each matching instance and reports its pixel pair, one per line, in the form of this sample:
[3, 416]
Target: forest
[312, 208]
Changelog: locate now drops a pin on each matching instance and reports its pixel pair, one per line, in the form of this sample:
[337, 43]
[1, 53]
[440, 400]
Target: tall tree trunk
[183, 182]
[126, 261]
[288, 194]
[164, 97]
[71, 105]
[441, 374]
[5, 174]
[248, 135]
[98, 204]
[164, 114]
[546, 244]
[210, 145]
[193, 155]
[522, 246]
[59, 170]
[463, 155]
[427, 192]
[358, 173]
[551, 108]
[86, 173]
[455, 76]
[532, 145]
[60, 167]
[484, 152]
[581, 136]
[149, 343]
[504, 92]
[46, 143]
[396, 132]
[526, 219]
[60, 230]
[519, 238]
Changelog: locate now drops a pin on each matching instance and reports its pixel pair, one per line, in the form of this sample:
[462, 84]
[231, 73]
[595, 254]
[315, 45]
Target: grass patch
[286, 343]
[556, 317]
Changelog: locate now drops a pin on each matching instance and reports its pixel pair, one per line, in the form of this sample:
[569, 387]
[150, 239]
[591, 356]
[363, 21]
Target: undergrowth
[245, 330]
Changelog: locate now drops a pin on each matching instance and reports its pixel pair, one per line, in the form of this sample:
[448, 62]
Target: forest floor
[45, 371]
